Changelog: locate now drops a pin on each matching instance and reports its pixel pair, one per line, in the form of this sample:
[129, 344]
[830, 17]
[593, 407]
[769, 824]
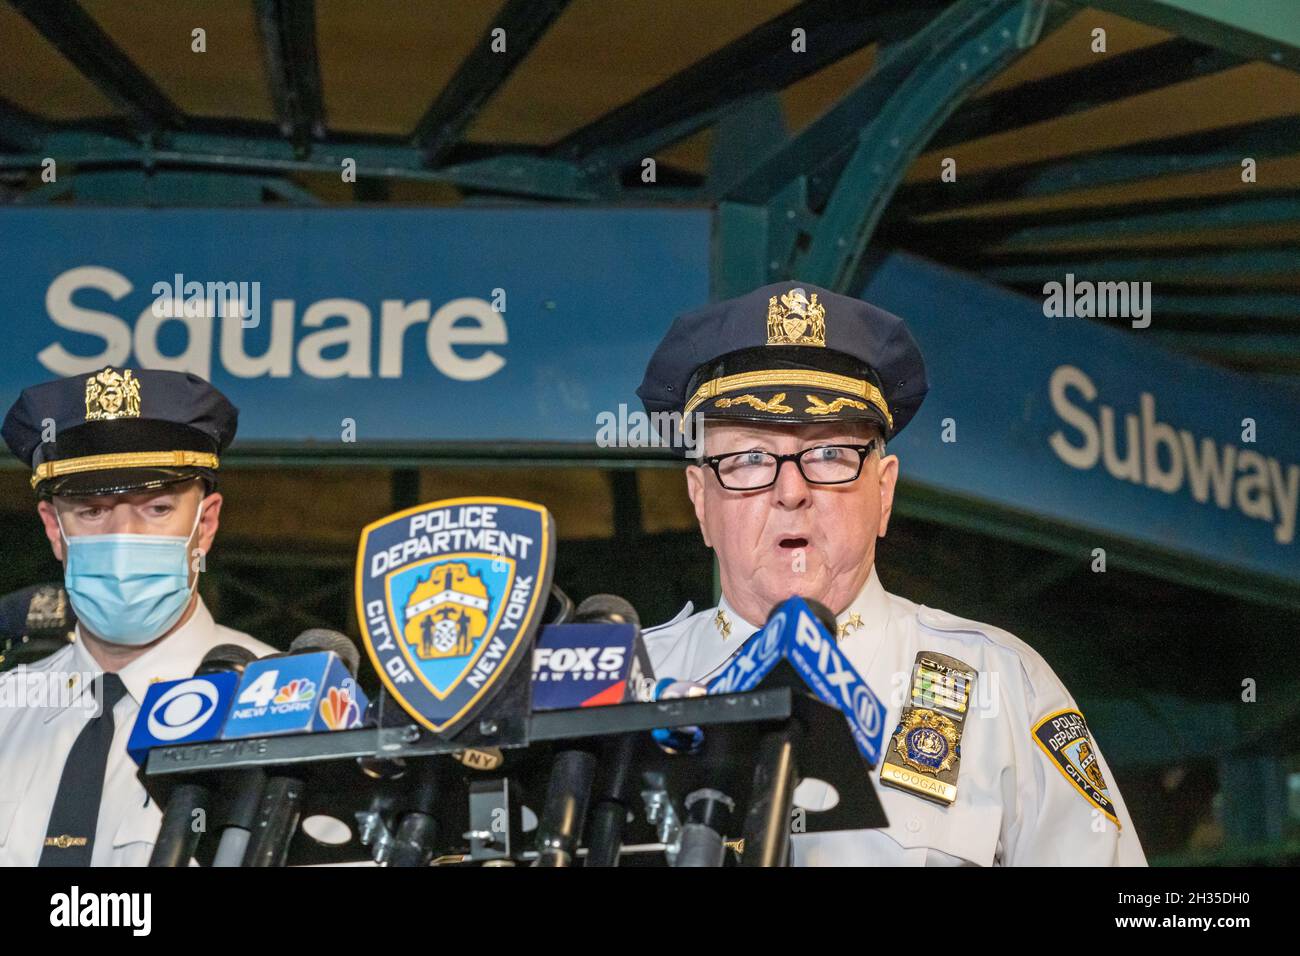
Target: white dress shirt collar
[177, 655]
[864, 620]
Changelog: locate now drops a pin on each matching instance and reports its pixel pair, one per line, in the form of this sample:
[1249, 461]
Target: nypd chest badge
[925, 757]
[449, 595]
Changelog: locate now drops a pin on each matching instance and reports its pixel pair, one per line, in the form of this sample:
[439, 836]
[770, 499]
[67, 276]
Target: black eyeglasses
[819, 465]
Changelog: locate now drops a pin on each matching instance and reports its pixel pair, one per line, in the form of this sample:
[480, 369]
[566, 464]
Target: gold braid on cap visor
[129, 459]
[827, 381]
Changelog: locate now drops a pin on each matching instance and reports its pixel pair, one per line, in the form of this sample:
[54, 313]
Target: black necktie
[70, 837]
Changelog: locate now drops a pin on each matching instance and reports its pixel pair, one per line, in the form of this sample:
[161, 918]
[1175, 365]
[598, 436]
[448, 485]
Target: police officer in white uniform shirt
[990, 761]
[124, 466]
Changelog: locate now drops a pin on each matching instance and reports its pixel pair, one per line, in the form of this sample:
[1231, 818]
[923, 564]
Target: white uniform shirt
[1015, 805]
[35, 742]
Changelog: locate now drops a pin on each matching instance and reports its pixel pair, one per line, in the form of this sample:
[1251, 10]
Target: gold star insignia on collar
[848, 627]
[722, 624]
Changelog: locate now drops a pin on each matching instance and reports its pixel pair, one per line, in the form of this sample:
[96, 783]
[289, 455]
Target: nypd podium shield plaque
[449, 595]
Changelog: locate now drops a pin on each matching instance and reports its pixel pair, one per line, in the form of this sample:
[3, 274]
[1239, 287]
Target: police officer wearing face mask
[124, 464]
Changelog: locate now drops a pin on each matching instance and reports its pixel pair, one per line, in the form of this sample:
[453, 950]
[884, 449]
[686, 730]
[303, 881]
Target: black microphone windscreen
[823, 614]
[607, 607]
[225, 657]
[323, 639]
[820, 611]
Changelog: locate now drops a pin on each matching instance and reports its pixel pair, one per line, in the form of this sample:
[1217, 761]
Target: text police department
[460, 529]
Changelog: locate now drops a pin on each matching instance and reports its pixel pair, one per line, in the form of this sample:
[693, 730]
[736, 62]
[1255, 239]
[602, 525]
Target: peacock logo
[295, 692]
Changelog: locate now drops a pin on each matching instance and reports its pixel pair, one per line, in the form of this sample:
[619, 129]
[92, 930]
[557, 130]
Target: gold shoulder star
[848, 627]
[722, 624]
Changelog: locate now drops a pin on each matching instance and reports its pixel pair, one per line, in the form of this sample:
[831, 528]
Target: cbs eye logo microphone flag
[185, 711]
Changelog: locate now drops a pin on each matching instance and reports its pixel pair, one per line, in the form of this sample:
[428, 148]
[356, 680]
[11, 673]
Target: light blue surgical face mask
[128, 588]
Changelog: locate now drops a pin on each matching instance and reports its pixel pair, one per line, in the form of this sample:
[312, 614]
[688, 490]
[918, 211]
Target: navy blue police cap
[788, 352]
[120, 430]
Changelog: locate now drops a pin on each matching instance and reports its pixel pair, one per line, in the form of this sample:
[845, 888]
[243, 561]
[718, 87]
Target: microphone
[323, 639]
[224, 658]
[416, 832]
[598, 660]
[612, 625]
[184, 711]
[796, 649]
[310, 688]
[35, 622]
[242, 792]
[607, 608]
[565, 810]
[822, 613]
[280, 694]
[559, 607]
[708, 815]
[190, 710]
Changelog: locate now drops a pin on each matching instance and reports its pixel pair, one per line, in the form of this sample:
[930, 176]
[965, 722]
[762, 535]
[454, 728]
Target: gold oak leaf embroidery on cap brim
[819, 407]
[771, 405]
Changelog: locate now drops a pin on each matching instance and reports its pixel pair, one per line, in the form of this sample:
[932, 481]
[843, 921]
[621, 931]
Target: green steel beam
[759, 62]
[513, 174]
[1244, 305]
[1257, 208]
[1083, 88]
[740, 243]
[47, 192]
[750, 126]
[1267, 30]
[288, 33]
[938, 69]
[165, 187]
[76, 35]
[1225, 264]
[845, 123]
[19, 129]
[1232, 346]
[290, 192]
[1193, 152]
[524, 22]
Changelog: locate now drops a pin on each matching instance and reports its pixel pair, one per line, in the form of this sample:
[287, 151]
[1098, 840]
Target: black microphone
[559, 607]
[35, 622]
[281, 805]
[709, 811]
[823, 615]
[318, 639]
[225, 657]
[708, 815]
[241, 792]
[609, 814]
[606, 609]
[416, 832]
[796, 649]
[177, 836]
